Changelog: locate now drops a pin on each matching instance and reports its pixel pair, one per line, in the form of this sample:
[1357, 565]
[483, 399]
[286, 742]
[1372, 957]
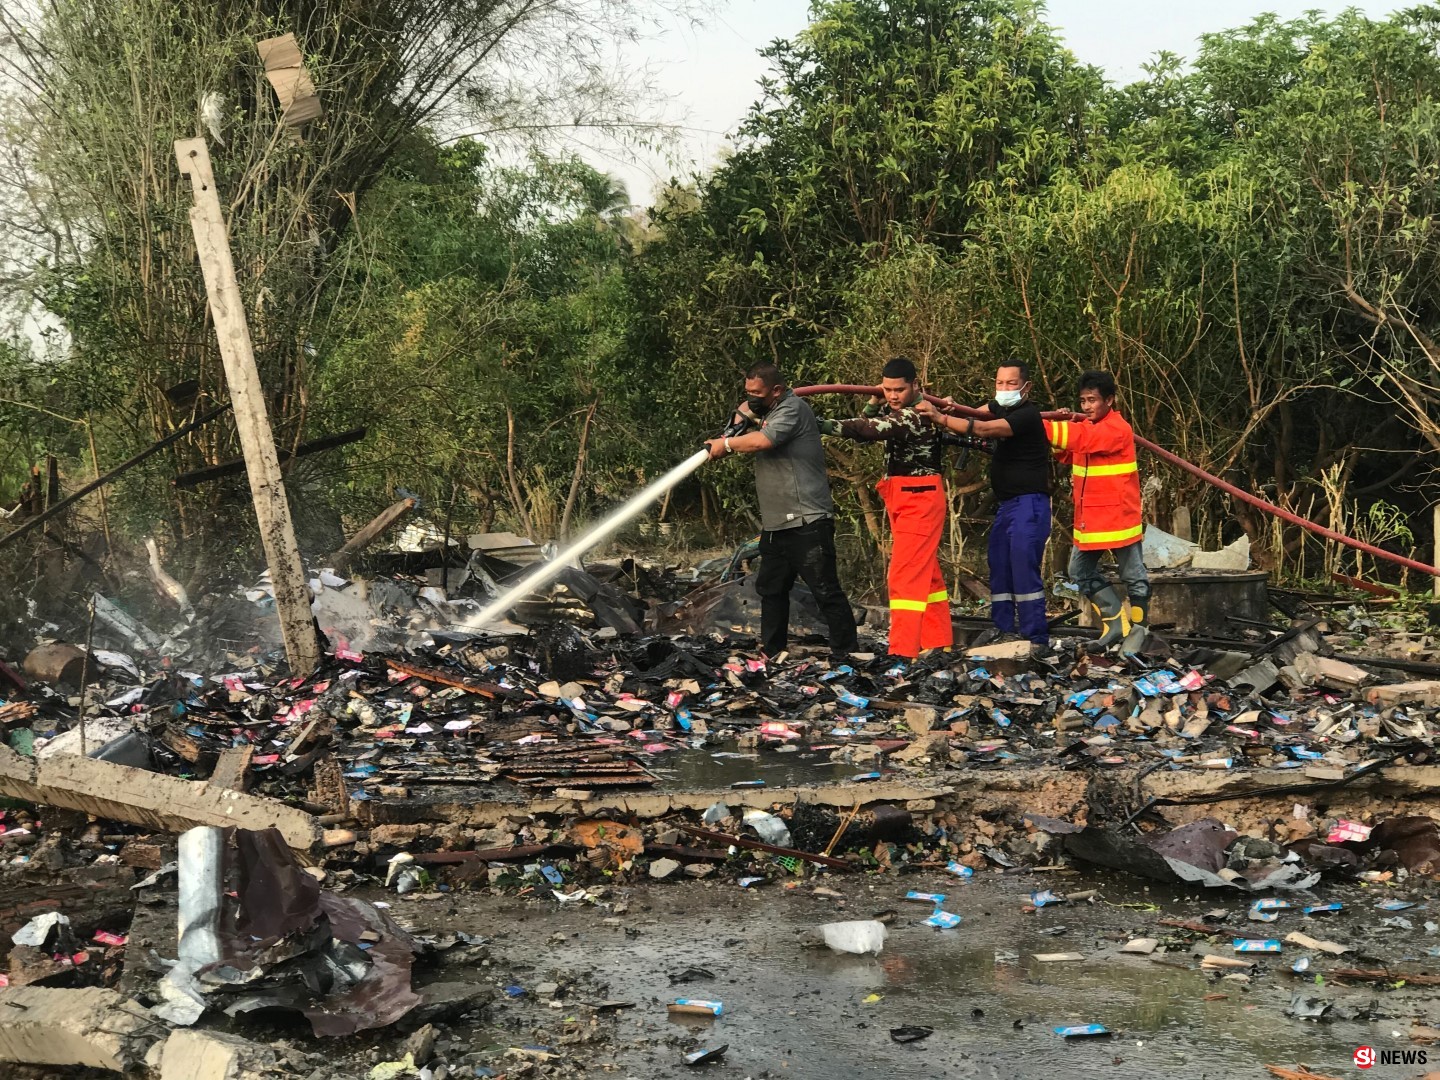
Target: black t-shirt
[1021, 465]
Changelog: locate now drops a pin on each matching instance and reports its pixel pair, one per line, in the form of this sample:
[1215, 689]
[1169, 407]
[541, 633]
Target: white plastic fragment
[858, 937]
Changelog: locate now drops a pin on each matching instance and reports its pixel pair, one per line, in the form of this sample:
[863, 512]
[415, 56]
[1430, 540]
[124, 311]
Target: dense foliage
[1246, 240]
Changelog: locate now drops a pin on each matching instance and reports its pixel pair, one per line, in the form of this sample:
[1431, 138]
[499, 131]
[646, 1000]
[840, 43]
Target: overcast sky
[709, 75]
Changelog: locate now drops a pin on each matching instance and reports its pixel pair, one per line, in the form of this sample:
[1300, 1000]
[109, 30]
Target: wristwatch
[727, 446]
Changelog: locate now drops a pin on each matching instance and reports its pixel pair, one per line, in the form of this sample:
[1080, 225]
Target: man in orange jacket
[1105, 482]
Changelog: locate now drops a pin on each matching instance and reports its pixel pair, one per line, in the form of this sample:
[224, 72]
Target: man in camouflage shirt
[915, 503]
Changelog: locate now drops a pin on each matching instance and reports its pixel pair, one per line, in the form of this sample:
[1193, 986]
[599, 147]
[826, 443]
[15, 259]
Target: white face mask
[1007, 398]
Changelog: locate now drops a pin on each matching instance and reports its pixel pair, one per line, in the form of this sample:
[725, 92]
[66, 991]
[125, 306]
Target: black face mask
[758, 406]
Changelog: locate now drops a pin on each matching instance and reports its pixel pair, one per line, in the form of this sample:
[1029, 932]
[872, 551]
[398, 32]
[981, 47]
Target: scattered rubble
[604, 747]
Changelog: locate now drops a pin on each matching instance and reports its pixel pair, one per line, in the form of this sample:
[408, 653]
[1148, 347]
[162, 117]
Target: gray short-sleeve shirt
[790, 480]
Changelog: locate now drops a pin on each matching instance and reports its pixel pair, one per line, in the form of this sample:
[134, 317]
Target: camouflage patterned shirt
[913, 446]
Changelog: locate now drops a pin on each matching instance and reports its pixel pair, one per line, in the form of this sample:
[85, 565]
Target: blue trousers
[1017, 552]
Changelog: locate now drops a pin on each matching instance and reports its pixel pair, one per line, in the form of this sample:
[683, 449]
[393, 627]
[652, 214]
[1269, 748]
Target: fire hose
[1173, 459]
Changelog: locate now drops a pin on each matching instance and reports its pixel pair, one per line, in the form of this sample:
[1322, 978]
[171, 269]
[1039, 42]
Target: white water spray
[548, 572]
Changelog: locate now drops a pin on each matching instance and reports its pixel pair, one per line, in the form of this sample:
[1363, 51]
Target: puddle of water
[701, 770]
[803, 1012]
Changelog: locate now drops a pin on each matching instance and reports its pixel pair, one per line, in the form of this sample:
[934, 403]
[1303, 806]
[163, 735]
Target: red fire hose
[1179, 463]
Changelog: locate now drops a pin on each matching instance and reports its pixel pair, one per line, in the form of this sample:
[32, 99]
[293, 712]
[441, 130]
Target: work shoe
[1109, 605]
[992, 635]
[1138, 614]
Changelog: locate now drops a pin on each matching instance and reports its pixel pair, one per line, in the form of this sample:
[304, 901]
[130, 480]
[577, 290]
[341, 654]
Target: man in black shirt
[1020, 477]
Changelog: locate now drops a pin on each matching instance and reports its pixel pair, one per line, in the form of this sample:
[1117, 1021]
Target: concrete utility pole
[262, 464]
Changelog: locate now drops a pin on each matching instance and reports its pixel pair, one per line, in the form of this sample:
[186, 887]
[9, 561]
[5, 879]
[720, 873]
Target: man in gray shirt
[797, 515]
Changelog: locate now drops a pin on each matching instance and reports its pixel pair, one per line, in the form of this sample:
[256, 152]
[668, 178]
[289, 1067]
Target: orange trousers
[919, 604]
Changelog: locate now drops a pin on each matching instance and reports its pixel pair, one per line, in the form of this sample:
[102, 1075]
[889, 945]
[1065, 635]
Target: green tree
[489, 329]
[883, 132]
[100, 90]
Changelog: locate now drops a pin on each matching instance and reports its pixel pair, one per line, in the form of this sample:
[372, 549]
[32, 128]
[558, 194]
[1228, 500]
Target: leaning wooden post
[1435, 520]
[262, 465]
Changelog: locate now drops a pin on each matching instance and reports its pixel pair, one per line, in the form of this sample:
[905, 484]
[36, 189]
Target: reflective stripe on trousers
[1017, 555]
[919, 602]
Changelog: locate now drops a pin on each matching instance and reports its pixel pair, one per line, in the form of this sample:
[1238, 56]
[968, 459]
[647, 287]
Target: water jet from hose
[547, 572]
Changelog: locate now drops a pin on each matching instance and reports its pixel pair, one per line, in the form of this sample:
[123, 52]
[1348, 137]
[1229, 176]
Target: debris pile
[576, 760]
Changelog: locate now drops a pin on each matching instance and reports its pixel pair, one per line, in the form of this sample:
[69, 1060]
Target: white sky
[709, 75]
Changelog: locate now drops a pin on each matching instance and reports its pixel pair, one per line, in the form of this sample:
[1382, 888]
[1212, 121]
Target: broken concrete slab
[121, 793]
[921, 718]
[1002, 650]
[1327, 671]
[1425, 692]
[98, 731]
[212, 1055]
[931, 744]
[1234, 556]
[1393, 784]
[232, 768]
[31, 966]
[91, 1027]
[1395, 781]
[650, 805]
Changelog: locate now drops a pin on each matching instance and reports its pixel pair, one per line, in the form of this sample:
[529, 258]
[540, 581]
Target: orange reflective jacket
[1104, 477]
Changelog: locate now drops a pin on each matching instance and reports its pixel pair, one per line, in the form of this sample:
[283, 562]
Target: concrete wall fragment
[165, 803]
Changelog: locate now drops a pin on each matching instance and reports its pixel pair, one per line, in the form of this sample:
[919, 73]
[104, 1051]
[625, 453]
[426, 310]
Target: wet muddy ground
[797, 1011]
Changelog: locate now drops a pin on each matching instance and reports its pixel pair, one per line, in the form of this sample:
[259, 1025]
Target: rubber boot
[1110, 608]
[1138, 615]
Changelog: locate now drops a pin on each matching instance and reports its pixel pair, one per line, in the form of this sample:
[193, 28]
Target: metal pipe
[201, 893]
